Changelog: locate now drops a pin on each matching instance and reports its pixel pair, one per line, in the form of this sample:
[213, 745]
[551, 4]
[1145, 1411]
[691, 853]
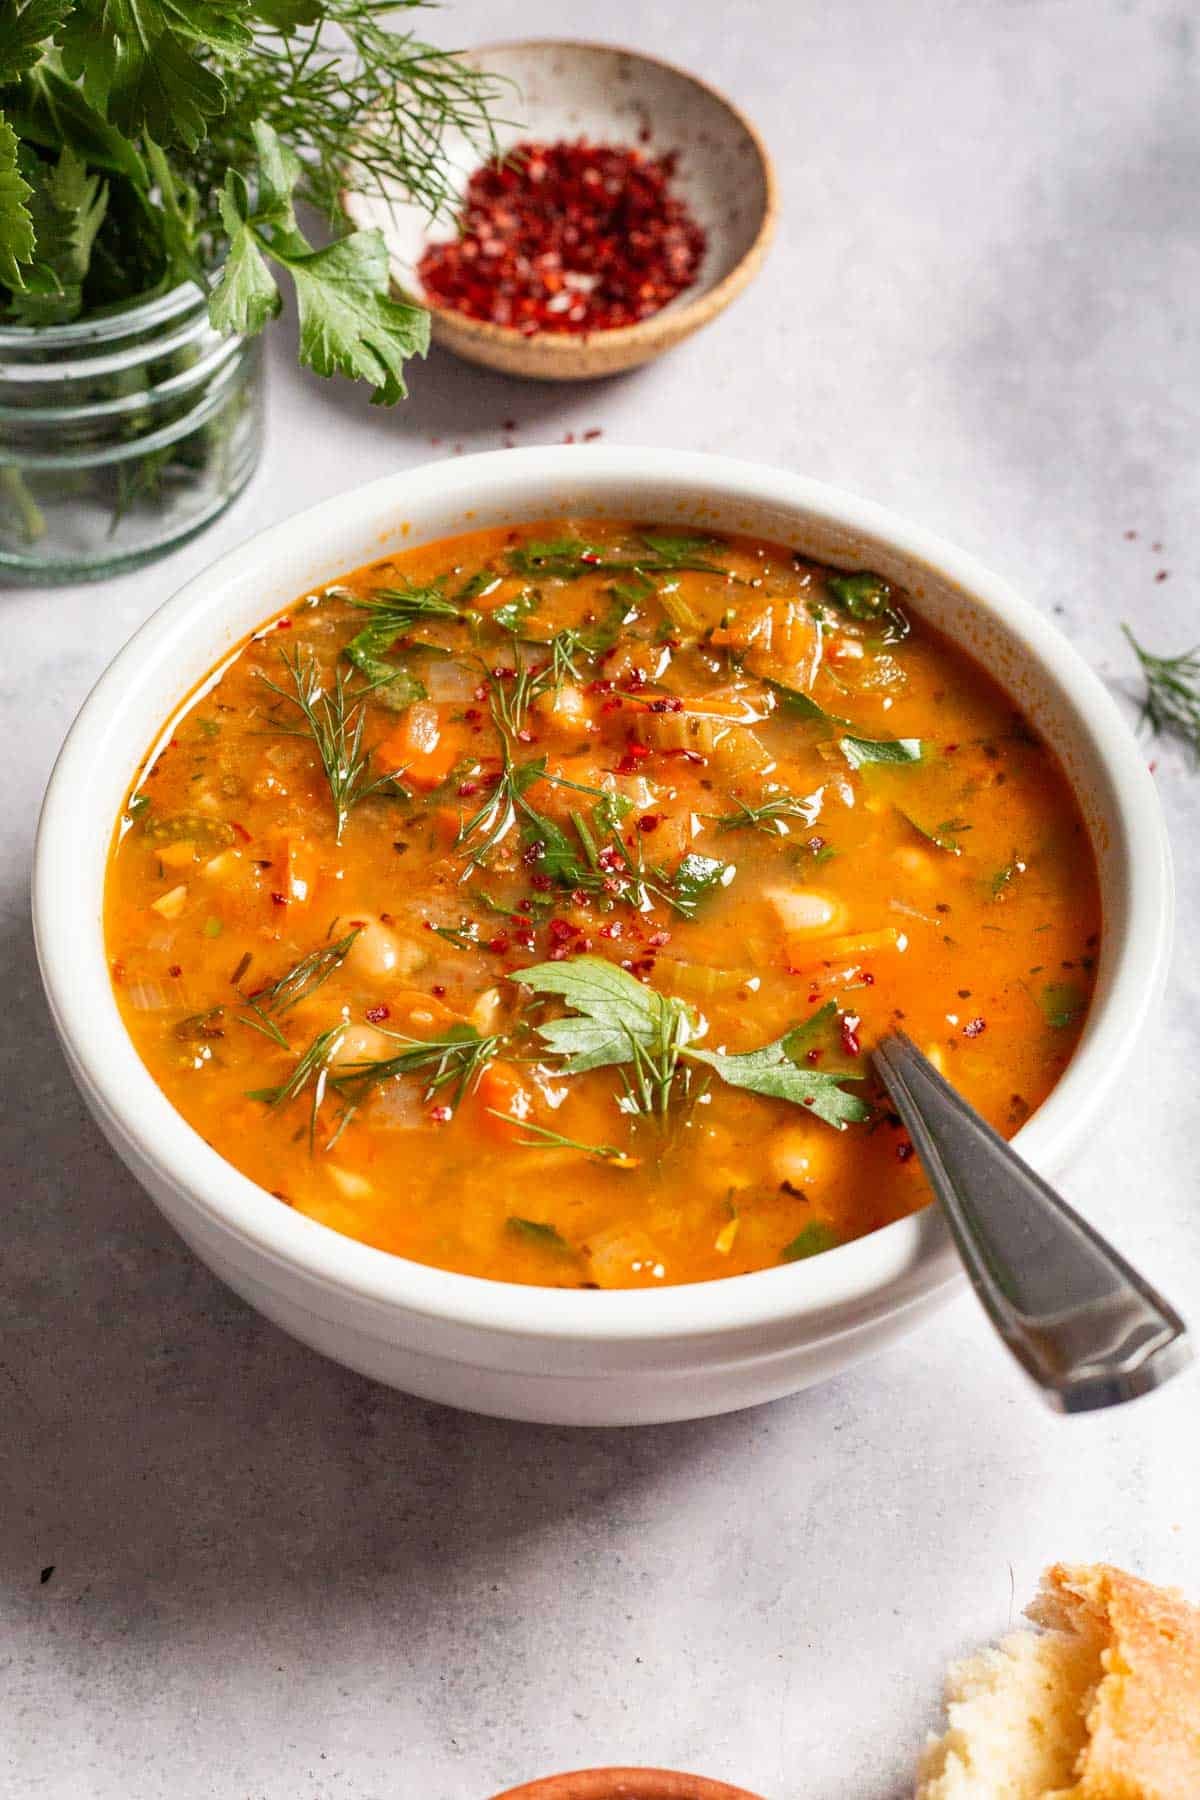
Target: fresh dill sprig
[311, 1071]
[334, 720]
[769, 817]
[398, 609]
[455, 1062]
[1172, 702]
[268, 1004]
[538, 1137]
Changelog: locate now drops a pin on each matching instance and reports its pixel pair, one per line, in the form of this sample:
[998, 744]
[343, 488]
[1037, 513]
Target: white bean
[380, 954]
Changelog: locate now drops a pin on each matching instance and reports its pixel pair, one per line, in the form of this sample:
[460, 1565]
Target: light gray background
[275, 1581]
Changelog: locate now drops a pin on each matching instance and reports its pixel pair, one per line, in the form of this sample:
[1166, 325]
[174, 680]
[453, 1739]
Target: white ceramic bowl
[551, 1354]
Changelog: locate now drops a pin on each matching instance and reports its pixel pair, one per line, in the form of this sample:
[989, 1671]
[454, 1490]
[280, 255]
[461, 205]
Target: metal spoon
[1077, 1318]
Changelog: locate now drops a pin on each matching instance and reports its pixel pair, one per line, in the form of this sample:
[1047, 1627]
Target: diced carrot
[418, 750]
[501, 1090]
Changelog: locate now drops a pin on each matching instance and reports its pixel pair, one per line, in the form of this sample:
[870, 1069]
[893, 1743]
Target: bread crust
[1144, 1721]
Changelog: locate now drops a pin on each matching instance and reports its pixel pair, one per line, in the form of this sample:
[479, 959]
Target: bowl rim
[624, 1783]
[681, 312]
[886, 1270]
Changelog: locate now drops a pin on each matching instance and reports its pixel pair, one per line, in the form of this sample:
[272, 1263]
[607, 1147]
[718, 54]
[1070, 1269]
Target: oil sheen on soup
[527, 904]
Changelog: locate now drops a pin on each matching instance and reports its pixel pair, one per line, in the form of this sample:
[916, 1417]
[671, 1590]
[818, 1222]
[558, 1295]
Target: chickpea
[798, 1155]
[380, 954]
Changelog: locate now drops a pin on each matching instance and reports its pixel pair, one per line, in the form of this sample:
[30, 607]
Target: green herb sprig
[334, 719]
[148, 142]
[616, 1021]
[1172, 702]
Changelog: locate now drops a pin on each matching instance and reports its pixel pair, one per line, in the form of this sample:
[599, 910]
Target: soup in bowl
[509, 907]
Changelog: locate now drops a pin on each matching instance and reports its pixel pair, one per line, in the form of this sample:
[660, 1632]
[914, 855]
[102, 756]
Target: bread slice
[1102, 1703]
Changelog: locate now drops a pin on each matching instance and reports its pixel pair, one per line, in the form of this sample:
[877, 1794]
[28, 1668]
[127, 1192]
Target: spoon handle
[1086, 1326]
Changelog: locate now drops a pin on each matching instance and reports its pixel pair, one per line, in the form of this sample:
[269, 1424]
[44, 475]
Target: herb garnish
[770, 816]
[455, 1061]
[859, 751]
[268, 1004]
[134, 135]
[943, 836]
[868, 598]
[539, 1137]
[567, 559]
[814, 1240]
[544, 1236]
[616, 1021]
[334, 720]
[1172, 700]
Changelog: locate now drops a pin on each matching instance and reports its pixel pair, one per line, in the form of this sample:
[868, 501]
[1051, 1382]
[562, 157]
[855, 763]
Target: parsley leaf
[535, 1232]
[617, 1020]
[67, 206]
[780, 1070]
[816, 1238]
[859, 751]
[869, 598]
[27, 29]
[614, 1013]
[16, 221]
[349, 325]
[696, 877]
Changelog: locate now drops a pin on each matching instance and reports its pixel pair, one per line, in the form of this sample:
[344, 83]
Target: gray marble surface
[272, 1580]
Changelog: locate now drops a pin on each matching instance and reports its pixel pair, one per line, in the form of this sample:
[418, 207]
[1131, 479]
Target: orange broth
[786, 814]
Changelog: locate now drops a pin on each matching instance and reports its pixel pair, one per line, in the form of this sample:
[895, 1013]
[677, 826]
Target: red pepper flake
[279, 900]
[867, 979]
[813, 1056]
[849, 1024]
[283, 625]
[438, 991]
[441, 1115]
[467, 788]
[377, 1014]
[541, 883]
[658, 939]
[498, 945]
[472, 714]
[903, 1152]
[589, 437]
[974, 1027]
[241, 831]
[562, 929]
[1161, 576]
[649, 822]
[175, 971]
[567, 237]
[611, 931]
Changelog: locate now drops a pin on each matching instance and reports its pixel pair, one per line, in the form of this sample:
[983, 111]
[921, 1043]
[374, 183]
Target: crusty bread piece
[1103, 1703]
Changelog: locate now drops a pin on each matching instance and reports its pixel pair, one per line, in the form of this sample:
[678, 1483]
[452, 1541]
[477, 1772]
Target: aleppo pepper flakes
[572, 237]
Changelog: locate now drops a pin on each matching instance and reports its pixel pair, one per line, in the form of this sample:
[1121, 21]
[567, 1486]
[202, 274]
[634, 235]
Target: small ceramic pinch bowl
[555, 90]
[626, 1784]
[563, 1355]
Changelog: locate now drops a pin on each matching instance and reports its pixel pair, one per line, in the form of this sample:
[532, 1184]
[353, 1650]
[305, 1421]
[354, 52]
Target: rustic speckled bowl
[563, 90]
[626, 1784]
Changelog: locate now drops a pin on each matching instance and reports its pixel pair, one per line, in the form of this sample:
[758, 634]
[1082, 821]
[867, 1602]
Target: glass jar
[121, 435]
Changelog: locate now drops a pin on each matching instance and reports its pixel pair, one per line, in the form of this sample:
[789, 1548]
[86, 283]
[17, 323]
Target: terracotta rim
[671, 320]
[626, 1784]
